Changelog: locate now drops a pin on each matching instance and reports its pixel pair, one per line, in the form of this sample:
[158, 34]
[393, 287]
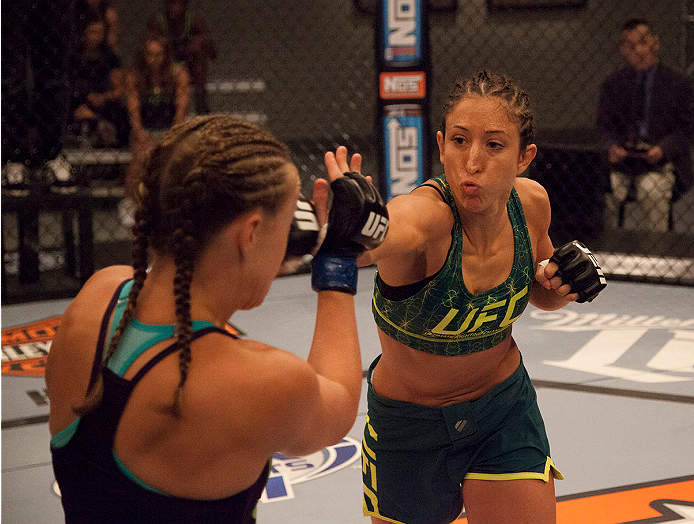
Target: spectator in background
[90, 10]
[646, 124]
[157, 95]
[34, 111]
[98, 111]
[192, 46]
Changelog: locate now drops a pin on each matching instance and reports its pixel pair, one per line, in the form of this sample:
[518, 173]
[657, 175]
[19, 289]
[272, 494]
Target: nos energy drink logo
[287, 471]
[404, 142]
[402, 31]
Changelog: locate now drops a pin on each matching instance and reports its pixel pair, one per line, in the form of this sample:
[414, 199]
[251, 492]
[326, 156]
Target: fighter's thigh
[526, 501]
[406, 472]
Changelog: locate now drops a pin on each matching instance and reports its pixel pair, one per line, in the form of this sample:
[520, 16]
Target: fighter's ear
[526, 157]
[440, 141]
[247, 231]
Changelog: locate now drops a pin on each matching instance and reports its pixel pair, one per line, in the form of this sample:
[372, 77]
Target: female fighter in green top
[452, 415]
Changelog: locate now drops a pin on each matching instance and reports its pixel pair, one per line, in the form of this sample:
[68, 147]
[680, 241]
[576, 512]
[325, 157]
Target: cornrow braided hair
[488, 84]
[139, 254]
[203, 174]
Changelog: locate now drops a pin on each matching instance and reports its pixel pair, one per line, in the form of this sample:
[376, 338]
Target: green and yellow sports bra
[439, 315]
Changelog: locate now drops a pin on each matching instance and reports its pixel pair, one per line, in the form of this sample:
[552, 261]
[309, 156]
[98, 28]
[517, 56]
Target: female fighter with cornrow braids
[452, 415]
[158, 414]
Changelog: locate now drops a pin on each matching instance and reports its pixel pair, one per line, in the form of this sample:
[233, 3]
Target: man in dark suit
[646, 125]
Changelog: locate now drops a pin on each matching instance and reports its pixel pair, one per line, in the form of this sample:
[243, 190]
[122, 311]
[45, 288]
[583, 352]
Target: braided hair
[488, 84]
[202, 175]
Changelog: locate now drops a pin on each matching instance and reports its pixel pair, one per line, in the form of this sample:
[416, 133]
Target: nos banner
[402, 62]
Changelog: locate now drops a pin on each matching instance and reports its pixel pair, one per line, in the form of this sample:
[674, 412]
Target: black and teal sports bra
[439, 315]
[95, 485]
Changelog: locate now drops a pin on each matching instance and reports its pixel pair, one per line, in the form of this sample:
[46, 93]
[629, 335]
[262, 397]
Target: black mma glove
[358, 221]
[579, 268]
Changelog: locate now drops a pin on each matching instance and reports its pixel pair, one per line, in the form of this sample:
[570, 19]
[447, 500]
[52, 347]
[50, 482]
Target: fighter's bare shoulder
[426, 203]
[531, 191]
[535, 201]
[277, 385]
[87, 308]
[100, 286]
[278, 373]
[430, 190]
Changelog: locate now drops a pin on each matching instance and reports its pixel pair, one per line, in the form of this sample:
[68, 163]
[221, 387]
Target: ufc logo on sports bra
[376, 227]
[481, 317]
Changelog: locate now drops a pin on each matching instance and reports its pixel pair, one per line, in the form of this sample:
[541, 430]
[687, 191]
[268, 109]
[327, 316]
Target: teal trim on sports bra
[64, 436]
[138, 337]
[136, 480]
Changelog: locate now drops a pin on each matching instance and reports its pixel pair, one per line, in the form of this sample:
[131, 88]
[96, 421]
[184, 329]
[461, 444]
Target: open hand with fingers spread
[357, 220]
[310, 223]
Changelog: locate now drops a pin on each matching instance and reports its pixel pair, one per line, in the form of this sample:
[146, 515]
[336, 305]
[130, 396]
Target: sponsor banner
[402, 32]
[403, 132]
[25, 348]
[410, 85]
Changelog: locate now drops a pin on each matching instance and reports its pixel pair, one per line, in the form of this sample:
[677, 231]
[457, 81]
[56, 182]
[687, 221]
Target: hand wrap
[579, 268]
[358, 221]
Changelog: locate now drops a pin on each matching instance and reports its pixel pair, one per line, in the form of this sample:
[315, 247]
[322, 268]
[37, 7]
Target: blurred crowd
[67, 93]
[75, 93]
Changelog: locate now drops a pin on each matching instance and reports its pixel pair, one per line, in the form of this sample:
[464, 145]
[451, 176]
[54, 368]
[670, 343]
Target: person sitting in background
[90, 10]
[192, 46]
[646, 125]
[158, 95]
[99, 117]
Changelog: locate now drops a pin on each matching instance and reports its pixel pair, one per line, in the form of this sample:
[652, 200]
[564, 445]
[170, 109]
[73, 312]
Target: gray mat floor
[615, 383]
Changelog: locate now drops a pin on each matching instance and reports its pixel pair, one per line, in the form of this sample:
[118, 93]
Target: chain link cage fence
[307, 70]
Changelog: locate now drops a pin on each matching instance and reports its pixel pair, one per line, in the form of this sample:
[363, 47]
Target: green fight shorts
[415, 458]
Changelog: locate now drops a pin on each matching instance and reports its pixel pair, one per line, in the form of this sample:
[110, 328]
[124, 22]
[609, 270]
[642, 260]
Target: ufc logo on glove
[376, 227]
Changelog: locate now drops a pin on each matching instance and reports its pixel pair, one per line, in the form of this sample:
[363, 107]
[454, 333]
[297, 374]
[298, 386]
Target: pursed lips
[470, 187]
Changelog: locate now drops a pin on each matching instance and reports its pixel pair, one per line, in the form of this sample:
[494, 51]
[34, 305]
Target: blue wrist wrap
[334, 273]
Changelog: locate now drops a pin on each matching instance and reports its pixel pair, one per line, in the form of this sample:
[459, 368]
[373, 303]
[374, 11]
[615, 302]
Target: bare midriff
[427, 379]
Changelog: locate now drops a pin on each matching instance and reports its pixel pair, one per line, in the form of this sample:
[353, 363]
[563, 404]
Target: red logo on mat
[25, 348]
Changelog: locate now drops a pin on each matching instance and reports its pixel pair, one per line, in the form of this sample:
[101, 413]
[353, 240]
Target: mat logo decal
[670, 500]
[616, 334]
[25, 348]
[287, 471]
